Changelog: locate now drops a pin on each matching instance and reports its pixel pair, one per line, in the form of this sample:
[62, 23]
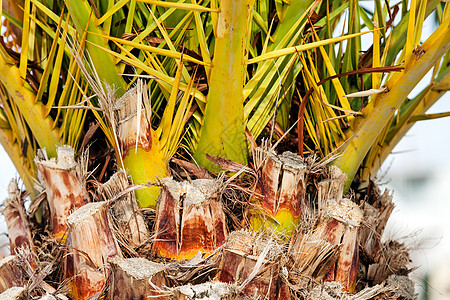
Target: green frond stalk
[410, 109]
[24, 98]
[380, 110]
[84, 18]
[222, 132]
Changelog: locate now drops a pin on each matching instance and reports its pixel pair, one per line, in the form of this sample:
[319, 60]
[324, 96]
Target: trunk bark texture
[252, 263]
[20, 240]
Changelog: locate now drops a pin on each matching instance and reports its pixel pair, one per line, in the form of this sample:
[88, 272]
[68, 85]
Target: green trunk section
[222, 132]
[146, 167]
[82, 14]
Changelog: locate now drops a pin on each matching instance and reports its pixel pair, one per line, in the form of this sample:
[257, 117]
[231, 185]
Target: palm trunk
[10, 273]
[20, 240]
[209, 290]
[241, 264]
[13, 293]
[335, 236]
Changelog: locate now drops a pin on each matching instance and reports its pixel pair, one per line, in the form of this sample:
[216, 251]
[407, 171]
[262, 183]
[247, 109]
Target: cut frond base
[91, 244]
[189, 219]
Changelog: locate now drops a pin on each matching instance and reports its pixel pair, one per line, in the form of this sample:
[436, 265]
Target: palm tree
[189, 90]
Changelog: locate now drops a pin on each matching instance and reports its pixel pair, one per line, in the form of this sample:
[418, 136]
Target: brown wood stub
[347, 265]
[282, 184]
[189, 219]
[127, 109]
[311, 255]
[20, 240]
[65, 188]
[91, 244]
[10, 273]
[197, 230]
[167, 225]
[19, 235]
[125, 211]
[267, 186]
[220, 229]
[137, 278]
[292, 193]
[237, 266]
[240, 256]
[331, 188]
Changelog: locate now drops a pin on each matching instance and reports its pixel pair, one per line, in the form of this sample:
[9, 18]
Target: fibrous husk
[91, 244]
[376, 215]
[393, 259]
[125, 211]
[64, 186]
[253, 263]
[394, 288]
[189, 218]
[137, 278]
[282, 186]
[14, 293]
[331, 188]
[212, 290]
[329, 249]
[47, 297]
[311, 257]
[10, 273]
